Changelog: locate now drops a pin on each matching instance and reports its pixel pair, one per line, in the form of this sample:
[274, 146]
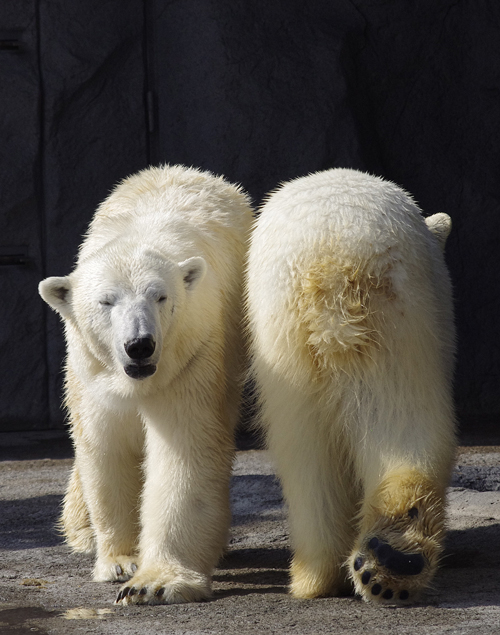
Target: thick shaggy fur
[351, 327]
[153, 430]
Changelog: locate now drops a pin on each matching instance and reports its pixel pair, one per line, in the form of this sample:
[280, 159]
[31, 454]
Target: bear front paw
[164, 586]
[114, 569]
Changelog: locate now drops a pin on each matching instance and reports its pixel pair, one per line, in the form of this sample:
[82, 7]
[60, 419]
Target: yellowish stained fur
[336, 308]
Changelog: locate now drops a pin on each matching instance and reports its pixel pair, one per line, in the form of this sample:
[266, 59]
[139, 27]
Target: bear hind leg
[318, 485]
[75, 523]
[319, 519]
[400, 542]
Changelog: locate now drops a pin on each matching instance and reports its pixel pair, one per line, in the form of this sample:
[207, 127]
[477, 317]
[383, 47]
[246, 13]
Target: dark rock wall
[23, 394]
[261, 92]
[72, 123]
[94, 134]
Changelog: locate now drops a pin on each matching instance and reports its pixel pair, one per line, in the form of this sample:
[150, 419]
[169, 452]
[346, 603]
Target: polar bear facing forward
[350, 317]
[152, 323]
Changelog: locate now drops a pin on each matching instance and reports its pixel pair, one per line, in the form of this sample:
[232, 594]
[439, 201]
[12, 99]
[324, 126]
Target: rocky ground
[45, 588]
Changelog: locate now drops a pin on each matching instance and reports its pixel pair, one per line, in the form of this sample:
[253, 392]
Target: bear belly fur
[351, 326]
[152, 317]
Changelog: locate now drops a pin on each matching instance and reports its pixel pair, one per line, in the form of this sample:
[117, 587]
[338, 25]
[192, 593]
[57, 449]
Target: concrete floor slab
[44, 588]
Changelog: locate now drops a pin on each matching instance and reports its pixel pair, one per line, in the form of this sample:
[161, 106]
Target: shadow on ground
[30, 523]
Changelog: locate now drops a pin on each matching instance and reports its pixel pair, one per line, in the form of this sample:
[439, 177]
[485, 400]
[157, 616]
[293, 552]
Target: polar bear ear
[57, 294]
[193, 271]
[440, 226]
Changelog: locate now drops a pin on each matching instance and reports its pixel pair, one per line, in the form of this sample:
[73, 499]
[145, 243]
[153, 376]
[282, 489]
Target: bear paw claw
[164, 588]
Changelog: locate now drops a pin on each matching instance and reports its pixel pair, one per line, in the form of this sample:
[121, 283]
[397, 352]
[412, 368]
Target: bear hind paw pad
[385, 575]
[397, 562]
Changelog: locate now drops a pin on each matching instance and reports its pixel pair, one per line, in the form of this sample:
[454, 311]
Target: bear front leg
[185, 509]
[108, 450]
[401, 537]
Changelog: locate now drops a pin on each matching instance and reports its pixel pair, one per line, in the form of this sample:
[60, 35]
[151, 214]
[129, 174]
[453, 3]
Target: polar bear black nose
[140, 348]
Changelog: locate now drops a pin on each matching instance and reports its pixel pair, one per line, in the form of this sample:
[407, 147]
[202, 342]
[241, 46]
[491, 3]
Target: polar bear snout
[137, 335]
[140, 350]
[140, 347]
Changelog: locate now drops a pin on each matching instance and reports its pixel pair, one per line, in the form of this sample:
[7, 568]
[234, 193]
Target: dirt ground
[44, 588]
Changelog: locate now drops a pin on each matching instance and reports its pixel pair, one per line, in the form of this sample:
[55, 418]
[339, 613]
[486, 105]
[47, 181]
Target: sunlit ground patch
[82, 613]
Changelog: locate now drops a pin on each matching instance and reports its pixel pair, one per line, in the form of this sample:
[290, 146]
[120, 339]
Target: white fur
[162, 260]
[350, 318]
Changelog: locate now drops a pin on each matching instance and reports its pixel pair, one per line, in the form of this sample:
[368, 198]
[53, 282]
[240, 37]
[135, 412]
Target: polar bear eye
[162, 298]
[106, 302]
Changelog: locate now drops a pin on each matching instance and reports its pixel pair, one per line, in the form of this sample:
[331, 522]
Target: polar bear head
[118, 309]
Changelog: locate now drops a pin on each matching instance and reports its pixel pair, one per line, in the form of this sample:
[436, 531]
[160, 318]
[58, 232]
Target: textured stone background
[261, 92]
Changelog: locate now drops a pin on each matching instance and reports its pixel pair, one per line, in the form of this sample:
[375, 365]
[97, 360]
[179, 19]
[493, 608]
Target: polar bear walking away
[350, 317]
[154, 355]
